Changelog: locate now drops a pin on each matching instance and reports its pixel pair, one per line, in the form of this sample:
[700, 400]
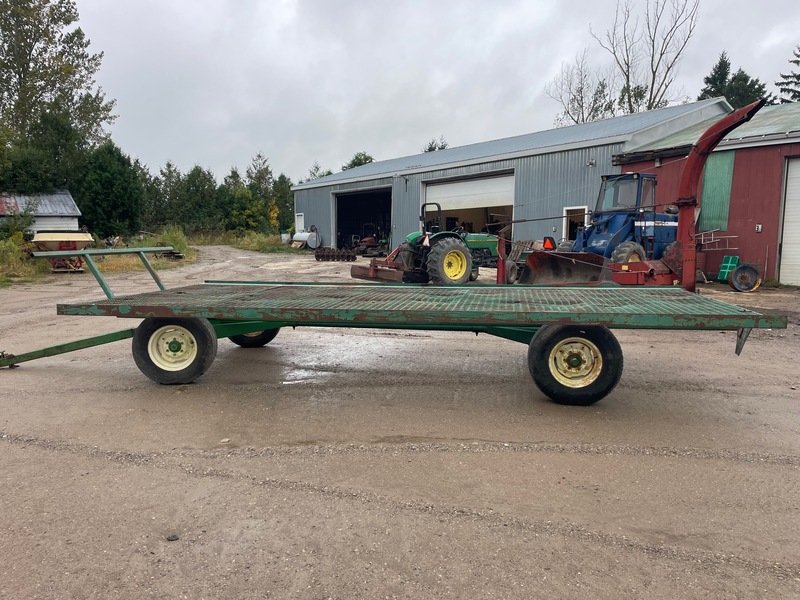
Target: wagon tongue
[376, 272]
[560, 268]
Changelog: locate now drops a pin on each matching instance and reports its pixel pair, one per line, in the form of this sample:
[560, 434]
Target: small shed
[51, 212]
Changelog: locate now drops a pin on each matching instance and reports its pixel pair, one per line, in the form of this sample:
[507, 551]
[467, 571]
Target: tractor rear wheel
[174, 351]
[628, 252]
[575, 365]
[449, 262]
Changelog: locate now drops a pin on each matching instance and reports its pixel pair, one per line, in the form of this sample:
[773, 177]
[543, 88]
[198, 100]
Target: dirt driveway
[379, 464]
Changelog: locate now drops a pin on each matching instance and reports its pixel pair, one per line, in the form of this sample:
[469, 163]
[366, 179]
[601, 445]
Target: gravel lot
[382, 464]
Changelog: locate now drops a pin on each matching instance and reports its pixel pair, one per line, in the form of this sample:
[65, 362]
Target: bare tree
[584, 95]
[645, 52]
[646, 57]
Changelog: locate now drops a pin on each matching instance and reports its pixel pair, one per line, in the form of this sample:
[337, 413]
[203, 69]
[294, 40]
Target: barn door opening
[574, 217]
[361, 215]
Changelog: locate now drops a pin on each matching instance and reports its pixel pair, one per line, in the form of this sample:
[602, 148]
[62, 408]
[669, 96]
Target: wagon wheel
[257, 339]
[174, 351]
[573, 364]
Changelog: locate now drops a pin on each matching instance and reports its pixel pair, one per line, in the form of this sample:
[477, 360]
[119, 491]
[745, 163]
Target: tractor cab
[626, 211]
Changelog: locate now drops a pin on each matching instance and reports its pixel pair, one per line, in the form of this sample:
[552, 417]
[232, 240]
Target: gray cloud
[214, 82]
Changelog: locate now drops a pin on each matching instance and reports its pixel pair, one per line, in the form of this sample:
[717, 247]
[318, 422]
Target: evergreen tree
[716, 82]
[789, 84]
[170, 192]
[152, 204]
[315, 172]
[111, 197]
[259, 182]
[739, 89]
[202, 210]
[284, 199]
[433, 145]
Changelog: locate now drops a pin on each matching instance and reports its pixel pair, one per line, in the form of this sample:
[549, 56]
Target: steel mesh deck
[385, 306]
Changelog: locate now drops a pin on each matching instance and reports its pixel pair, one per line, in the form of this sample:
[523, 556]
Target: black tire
[256, 339]
[627, 252]
[595, 369]
[512, 272]
[174, 351]
[474, 274]
[406, 256]
[449, 262]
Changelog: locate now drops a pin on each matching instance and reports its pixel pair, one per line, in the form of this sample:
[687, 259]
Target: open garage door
[475, 204]
[363, 214]
[790, 242]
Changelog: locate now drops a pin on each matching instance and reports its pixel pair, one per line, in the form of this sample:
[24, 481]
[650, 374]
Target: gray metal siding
[315, 204]
[544, 184]
[547, 183]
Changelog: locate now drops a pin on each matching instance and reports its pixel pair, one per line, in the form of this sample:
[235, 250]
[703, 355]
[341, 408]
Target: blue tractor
[626, 226]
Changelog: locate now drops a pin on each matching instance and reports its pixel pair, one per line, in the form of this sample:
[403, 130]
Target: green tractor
[435, 256]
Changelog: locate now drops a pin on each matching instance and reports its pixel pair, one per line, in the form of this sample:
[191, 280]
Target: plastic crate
[729, 263]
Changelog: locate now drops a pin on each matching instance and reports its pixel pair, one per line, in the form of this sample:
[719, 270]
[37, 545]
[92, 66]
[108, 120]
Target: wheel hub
[575, 362]
[172, 348]
[455, 265]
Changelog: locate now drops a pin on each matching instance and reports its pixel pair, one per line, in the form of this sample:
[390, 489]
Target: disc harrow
[334, 254]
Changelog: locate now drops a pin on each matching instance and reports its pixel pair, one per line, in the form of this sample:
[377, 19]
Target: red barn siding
[756, 195]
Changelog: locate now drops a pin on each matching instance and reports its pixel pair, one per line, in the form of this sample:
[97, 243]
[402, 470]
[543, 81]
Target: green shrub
[171, 235]
[13, 260]
[174, 236]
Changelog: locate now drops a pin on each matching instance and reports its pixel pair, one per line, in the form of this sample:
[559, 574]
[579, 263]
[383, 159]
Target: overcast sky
[213, 82]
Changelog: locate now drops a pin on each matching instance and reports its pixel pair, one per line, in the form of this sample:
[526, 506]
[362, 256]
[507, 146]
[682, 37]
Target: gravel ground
[339, 463]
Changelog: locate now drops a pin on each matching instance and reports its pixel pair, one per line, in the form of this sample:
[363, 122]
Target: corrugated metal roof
[57, 204]
[587, 134]
[771, 123]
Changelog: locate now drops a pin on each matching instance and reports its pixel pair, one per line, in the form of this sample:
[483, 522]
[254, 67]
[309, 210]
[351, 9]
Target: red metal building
[750, 196]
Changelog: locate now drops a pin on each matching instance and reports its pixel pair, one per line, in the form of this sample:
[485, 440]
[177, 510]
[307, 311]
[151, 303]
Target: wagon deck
[427, 307]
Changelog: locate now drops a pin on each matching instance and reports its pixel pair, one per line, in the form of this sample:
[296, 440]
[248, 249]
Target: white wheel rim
[575, 362]
[172, 348]
[252, 334]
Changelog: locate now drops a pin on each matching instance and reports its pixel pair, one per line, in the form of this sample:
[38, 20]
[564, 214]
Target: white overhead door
[790, 249]
[472, 193]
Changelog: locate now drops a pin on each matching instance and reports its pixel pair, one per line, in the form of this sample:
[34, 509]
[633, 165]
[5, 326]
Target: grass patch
[775, 284]
[262, 242]
[120, 263]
